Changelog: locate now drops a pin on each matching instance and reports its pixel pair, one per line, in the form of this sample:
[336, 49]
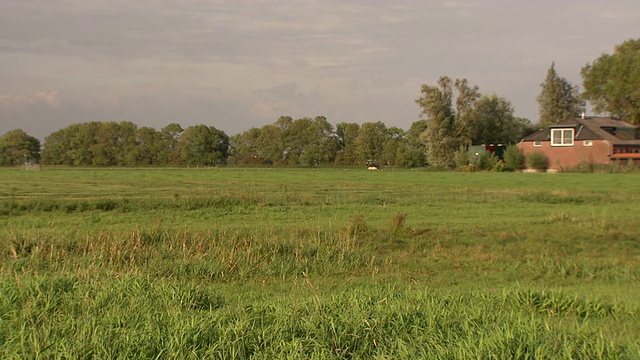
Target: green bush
[487, 161]
[498, 166]
[514, 159]
[461, 157]
[537, 160]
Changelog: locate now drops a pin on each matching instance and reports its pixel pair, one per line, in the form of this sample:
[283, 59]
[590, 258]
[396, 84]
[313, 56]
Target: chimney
[583, 115]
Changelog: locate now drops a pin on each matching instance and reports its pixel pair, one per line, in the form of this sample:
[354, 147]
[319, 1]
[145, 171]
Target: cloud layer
[239, 64]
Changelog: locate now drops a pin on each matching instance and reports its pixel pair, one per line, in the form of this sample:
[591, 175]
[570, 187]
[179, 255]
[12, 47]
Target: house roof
[615, 131]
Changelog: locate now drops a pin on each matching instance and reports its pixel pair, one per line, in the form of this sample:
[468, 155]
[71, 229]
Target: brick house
[585, 140]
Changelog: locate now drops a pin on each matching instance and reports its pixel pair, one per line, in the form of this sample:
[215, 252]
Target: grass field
[314, 264]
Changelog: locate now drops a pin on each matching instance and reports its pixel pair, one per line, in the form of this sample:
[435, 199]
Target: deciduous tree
[346, 134]
[71, 145]
[269, 145]
[18, 147]
[322, 145]
[147, 148]
[612, 82]
[243, 147]
[494, 122]
[113, 143]
[392, 145]
[448, 127]
[170, 135]
[202, 145]
[371, 140]
[411, 152]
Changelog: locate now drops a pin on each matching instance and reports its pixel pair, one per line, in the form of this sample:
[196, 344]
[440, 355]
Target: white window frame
[587, 143]
[562, 137]
[537, 143]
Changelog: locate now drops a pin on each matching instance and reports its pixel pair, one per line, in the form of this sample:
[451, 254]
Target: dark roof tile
[593, 128]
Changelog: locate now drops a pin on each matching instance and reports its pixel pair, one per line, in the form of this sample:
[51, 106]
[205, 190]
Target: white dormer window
[561, 137]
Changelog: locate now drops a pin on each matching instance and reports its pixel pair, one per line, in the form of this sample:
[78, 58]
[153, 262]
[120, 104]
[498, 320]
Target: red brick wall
[570, 156]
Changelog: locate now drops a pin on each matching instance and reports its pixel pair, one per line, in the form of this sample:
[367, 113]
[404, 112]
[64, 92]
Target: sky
[240, 64]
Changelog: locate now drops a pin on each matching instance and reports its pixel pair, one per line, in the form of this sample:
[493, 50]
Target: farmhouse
[585, 140]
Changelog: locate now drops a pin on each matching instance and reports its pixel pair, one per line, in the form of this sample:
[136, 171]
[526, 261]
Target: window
[537, 143]
[587, 143]
[561, 137]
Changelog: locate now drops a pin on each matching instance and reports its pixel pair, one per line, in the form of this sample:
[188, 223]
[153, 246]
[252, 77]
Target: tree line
[301, 142]
[454, 115]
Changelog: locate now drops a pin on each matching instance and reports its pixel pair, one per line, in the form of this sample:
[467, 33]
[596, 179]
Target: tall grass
[224, 264]
[169, 320]
[211, 256]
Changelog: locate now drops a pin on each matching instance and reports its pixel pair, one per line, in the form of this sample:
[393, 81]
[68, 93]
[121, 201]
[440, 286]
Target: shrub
[513, 158]
[487, 161]
[461, 157]
[537, 160]
[498, 166]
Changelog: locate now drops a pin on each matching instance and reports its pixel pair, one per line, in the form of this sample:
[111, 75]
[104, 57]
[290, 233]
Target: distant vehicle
[371, 165]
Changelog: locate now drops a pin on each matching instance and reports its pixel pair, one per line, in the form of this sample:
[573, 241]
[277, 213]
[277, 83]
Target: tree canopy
[612, 82]
[311, 142]
[202, 145]
[494, 122]
[559, 99]
[124, 144]
[448, 128]
[17, 147]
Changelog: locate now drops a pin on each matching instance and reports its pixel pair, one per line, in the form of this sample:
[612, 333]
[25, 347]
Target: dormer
[623, 133]
[562, 135]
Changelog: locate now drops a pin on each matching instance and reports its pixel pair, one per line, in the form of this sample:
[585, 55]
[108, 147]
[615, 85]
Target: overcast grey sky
[241, 64]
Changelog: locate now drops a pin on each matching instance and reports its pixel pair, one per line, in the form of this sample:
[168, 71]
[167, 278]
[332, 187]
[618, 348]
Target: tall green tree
[203, 145]
[370, 142]
[147, 148]
[18, 147]
[321, 145]
[55, 149]
[113, 143]
[411, 152]
[170, 135]
[73, 145]
[297, 136]
[243, 147]
[93, 143]
[612, 82]
[448, 127]
[269, 145]
[494, 122]
[392, 145]
[346, 134]
[559, 99]
[303, 141]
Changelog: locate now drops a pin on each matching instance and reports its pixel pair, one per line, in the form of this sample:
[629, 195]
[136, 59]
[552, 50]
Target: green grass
[328, 263]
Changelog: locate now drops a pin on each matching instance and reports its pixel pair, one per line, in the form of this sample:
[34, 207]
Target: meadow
[261, 263]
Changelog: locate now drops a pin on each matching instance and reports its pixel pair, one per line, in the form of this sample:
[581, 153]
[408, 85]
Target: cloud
[245, 62]
[270, 110]
[276, 101]
[49, 98]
